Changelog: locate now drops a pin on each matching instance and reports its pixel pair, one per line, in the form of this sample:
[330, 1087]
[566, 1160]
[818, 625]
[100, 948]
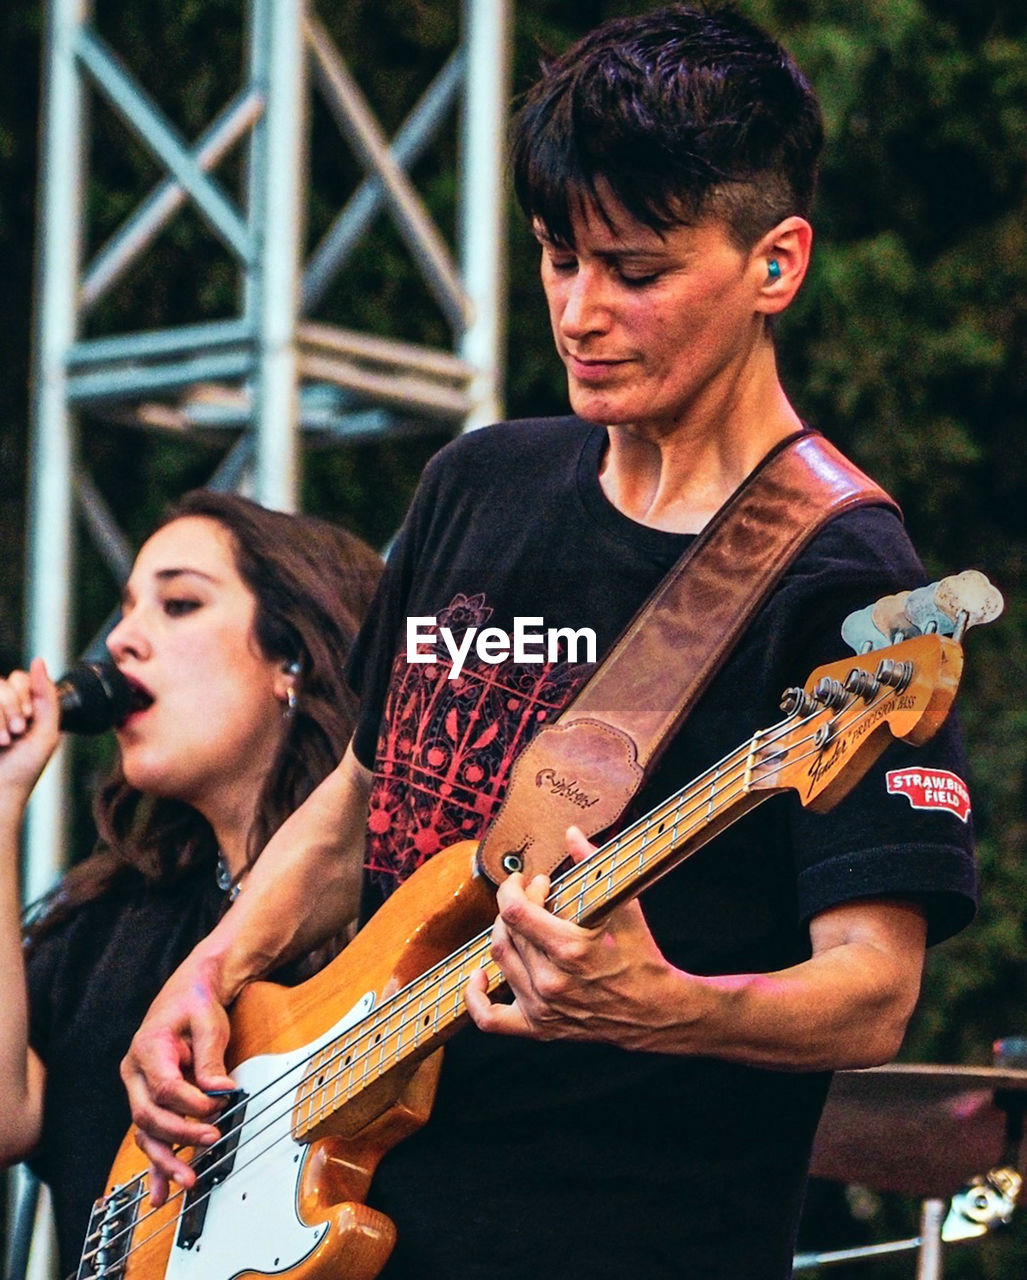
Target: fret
[710, 808]
[750, 762]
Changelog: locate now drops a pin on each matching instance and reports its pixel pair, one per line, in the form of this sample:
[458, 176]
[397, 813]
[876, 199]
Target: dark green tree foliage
[908, 347]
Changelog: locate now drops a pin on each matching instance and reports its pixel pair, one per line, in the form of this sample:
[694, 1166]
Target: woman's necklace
[226, 882]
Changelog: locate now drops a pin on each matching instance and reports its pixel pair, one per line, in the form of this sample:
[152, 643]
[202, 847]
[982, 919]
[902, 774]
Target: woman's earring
[293, 669]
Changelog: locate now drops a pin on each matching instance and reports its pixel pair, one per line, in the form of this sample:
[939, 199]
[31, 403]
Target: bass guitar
[332, 1073]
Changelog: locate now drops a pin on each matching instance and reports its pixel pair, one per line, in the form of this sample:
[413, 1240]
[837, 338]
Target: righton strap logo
[549, 780]
[931, 789]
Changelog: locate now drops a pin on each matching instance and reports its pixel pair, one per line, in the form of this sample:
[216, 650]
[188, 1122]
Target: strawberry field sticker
[931, 789]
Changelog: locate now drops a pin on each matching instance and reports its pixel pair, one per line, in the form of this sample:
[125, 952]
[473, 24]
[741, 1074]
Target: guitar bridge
[111, 1223]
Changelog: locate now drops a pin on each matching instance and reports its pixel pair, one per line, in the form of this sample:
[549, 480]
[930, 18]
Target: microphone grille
[94, 697]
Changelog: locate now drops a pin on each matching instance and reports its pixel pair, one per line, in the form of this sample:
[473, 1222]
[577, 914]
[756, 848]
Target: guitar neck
[657, 842]
[421, 1016]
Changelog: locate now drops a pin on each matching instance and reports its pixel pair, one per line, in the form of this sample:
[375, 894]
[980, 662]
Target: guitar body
[294, 1208]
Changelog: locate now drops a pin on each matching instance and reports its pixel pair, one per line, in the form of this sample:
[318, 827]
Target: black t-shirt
[90, 983]
[567, 1159]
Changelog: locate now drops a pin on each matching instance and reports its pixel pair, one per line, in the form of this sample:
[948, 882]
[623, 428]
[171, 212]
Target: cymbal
[919, 1129]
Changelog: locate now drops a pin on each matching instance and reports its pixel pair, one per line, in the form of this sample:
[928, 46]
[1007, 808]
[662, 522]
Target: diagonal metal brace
[153, 128]
[414, 223]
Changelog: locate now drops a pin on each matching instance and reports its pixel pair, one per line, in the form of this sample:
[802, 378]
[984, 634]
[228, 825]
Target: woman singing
[235, 628]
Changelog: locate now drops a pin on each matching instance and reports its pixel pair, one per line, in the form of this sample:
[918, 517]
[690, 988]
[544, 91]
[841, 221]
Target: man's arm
[304, 888]
[847, 1006]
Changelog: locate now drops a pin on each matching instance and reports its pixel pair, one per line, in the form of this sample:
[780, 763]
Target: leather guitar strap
[585, 767]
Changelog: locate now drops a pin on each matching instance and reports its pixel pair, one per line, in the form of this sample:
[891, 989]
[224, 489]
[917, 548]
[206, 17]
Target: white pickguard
[253, 1221]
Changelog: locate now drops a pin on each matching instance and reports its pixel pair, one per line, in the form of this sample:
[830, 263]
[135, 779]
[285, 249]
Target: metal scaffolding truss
[275, 372]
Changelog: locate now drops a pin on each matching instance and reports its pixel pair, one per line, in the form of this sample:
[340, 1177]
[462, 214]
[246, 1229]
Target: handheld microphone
[93, 697]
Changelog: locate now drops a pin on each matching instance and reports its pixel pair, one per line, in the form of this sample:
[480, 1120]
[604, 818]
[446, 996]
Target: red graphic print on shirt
[446, 747]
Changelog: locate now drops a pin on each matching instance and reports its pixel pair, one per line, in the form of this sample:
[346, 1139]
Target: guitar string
[620, 853]
[441, 964]
[481, 942]
[581, 872]
[575, 884]
[563, 885]
[736, 760]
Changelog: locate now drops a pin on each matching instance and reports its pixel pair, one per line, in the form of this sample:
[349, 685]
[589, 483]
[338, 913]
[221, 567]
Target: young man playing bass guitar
[645, 1103]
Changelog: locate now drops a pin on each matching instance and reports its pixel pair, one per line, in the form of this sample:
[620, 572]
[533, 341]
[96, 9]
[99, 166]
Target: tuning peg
[971, 597]
[862, 684]
[949, 607]
[895, 674]
[892, 618]
[922, 607]
[861, 633]
[831, 694]
[797, 702]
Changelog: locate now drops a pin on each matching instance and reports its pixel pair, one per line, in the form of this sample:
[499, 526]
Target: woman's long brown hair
[312, 582]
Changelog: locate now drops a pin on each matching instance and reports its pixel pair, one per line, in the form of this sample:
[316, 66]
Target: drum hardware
[986, 1204]
[915, 1130]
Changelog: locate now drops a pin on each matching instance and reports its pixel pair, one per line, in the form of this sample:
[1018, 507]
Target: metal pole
[22, 1201]
[31, 1247]
[52, 449]
[150, 125]
[50, 554]
[276, 181]
[813, 1261]
[932, 1218]
[357, 123]
[488, 26]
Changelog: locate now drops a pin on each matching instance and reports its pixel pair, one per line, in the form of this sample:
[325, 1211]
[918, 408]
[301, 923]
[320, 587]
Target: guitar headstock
[849, 711]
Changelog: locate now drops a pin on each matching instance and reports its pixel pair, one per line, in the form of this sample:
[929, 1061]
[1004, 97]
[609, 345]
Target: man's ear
[779, 263]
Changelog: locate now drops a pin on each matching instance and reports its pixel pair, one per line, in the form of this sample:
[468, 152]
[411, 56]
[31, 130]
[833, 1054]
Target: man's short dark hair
[680, 114]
